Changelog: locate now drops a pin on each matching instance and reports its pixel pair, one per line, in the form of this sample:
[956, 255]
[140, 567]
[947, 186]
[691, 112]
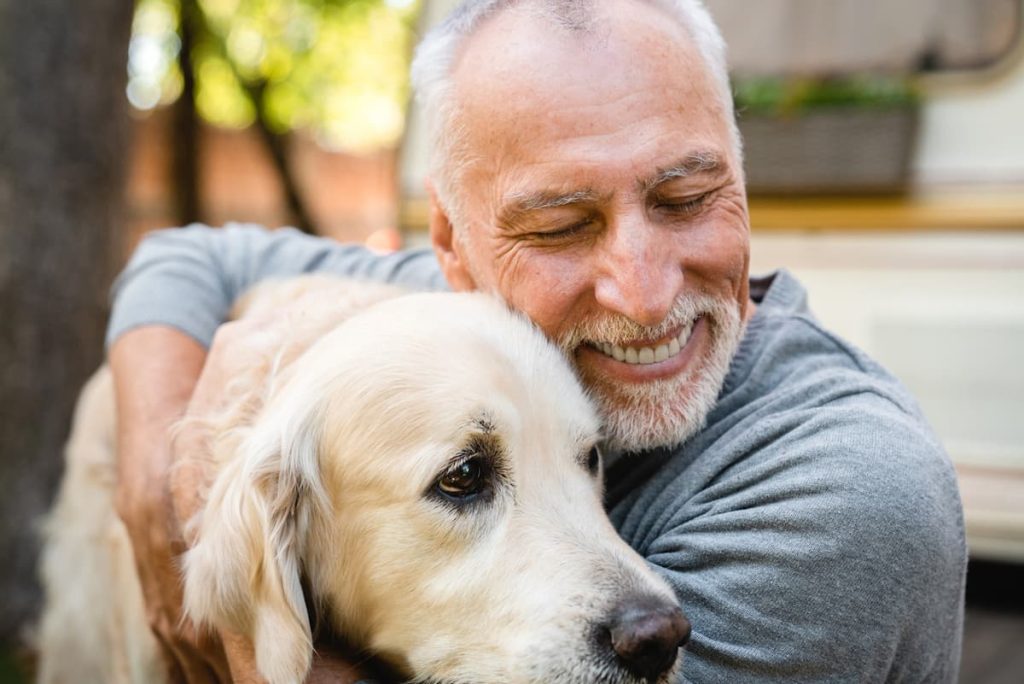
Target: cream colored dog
[426, 466]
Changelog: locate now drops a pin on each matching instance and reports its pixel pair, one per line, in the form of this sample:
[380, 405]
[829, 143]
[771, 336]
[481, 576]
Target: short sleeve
[188, 278]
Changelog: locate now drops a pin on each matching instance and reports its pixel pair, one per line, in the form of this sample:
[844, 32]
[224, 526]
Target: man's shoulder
[846, 453]
[793, 379]
[816, 508]
[789, 358]
[813, 407]
[809, 433]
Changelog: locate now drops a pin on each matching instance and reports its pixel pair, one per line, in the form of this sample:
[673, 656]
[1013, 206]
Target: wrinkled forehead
[539, 108]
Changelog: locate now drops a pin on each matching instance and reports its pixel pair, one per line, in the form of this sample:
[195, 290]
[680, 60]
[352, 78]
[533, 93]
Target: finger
[338, 664]
[189, 483]
[241, 658]
[194, 657]
[184, 666]
[199, 655]
[169, 658]
[212, 648]
[194, 669]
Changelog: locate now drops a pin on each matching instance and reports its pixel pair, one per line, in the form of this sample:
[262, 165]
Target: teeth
[647, 355]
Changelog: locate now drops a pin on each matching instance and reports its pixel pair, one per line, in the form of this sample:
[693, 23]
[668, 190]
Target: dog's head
[431, 467]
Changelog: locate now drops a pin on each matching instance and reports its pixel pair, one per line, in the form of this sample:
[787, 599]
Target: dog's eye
[465, 480]
[594, 460]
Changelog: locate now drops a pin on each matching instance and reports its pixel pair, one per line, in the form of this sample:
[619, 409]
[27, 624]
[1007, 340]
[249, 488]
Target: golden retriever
[425, 465]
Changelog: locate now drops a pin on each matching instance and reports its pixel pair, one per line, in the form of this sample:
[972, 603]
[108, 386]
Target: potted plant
[827, 134]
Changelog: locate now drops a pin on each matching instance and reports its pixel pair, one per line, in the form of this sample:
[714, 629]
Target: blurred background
[884, 154]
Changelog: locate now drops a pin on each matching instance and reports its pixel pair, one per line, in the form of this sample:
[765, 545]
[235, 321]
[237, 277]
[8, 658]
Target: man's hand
[160, 488]
[155, 369]
[242, 349]
[328, 667]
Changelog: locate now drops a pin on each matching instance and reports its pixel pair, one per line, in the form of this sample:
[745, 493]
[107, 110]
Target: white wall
[974, 131]
[943, 312]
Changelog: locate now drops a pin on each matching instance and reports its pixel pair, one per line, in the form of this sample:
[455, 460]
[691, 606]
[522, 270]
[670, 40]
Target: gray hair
[436, 55]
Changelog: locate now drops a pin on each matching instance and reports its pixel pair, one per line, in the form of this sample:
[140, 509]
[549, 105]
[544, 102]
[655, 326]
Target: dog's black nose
[646, 634]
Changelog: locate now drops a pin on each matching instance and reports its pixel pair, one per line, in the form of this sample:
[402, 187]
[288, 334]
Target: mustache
[613, 328]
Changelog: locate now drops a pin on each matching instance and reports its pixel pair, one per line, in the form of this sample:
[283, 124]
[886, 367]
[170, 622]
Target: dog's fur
[327, 461]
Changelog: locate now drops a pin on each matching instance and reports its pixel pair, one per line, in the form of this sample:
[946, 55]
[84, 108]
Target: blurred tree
[335, 68]
[185, 170]
[62, 159]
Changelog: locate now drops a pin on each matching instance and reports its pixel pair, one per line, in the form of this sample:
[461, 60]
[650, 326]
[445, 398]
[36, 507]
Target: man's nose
[640, 275]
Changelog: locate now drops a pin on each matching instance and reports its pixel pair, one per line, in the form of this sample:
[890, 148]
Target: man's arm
[155, 369]
[177, 289]
[188, 278]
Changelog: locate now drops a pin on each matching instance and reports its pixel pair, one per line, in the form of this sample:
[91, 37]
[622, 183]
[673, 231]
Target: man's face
[604, 200]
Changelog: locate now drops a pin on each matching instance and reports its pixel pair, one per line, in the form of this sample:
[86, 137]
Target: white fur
[94, 626]
[325, 465]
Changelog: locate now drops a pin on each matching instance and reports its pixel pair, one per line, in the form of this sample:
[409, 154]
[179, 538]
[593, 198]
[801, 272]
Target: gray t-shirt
[812, 530]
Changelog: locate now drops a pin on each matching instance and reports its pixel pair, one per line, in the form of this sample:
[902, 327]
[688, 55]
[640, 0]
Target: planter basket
[830, 150]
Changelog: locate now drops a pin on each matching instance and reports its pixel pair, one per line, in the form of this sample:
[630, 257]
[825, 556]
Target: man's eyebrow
[702, 162]
[519, 203]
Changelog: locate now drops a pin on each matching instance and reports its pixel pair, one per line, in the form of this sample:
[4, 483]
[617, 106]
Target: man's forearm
[155, 369]
[155, 373]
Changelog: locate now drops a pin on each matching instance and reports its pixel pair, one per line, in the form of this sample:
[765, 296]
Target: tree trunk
[63, 134]
[185, 163]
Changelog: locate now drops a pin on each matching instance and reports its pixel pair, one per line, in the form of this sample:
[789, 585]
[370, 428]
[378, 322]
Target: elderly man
[587, 169]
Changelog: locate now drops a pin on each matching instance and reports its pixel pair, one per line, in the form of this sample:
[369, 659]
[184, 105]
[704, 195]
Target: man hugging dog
[586, 168]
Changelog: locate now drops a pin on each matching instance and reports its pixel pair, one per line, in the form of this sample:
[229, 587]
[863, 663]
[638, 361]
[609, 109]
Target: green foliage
[791, 96]
[335, 67]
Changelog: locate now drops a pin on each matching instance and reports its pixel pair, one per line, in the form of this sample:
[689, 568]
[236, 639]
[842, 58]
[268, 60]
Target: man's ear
[446, 247]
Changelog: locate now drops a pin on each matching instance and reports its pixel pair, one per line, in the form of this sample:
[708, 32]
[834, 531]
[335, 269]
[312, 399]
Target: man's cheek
[717, 255]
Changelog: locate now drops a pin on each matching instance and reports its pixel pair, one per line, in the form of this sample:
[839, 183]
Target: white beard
[666, 412]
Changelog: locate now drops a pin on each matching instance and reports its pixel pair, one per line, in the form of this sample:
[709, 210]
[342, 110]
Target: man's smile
[645, 352]
[646, 360]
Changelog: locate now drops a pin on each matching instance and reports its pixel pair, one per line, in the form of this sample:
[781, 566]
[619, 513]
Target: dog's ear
[244, 569]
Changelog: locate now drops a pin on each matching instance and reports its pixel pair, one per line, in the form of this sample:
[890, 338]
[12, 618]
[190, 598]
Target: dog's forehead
[459, 359]
[455, 329]
[445, 310]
